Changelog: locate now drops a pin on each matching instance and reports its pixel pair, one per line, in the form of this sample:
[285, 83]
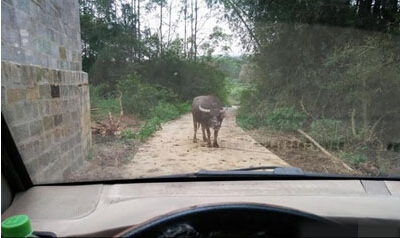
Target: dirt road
[172, 151]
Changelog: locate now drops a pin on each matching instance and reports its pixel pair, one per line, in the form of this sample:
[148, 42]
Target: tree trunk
[185, 43]
[191, 30]
[195, 30]
[161, 34]
[138, 31]
[169, 22]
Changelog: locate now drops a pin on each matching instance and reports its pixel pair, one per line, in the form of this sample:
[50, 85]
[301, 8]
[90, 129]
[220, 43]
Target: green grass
[235, 89]
[280, 118]
[163, 112]
[101, 103]
[354, 158]
[154, 114]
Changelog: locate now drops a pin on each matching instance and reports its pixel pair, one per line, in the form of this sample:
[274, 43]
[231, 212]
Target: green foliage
[247, 121]
[366, 73]
[127, 134]
[121, 55]
[187, 79]
[252, 111]
[254, 114]
[330, 71]
[328, 132]
[102, 102]
[231, 66]
[168, 111]
[285, 118]
[235, 88]
[183, 107]
[139, 98]
[148, 128]
[260, 22]
[354, 158]
[163, 112]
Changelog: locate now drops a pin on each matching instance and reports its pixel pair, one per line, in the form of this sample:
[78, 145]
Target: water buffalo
[207, 111]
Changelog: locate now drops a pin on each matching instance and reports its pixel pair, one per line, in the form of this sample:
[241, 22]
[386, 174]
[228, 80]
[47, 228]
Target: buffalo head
[215, 117]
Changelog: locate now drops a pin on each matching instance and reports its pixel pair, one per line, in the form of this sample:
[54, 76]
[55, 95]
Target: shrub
[328, 132]
[235, 90]
[247, 121]
[168, 111]
[149, 127]
[186, 78]
[102, 102]
[127, 134]
[285, 118]
[183, 107]
[354, 158]
[165, 111]
[139, 98]
[251, 111]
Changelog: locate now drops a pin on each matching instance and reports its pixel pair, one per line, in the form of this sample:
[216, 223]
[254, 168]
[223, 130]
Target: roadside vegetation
[333, 74]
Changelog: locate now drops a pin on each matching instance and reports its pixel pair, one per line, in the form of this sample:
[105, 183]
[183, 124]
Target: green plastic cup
[16, 226]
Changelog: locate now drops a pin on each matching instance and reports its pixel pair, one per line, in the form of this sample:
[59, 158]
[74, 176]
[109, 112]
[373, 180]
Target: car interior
[203, 206]
[263, 201]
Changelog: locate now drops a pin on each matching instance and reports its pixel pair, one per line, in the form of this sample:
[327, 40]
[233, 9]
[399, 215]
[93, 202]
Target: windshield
[101, 90]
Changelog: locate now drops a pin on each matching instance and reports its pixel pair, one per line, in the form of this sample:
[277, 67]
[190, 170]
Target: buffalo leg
[208, 136]
[204, 134]
[195, 130]
[215, 144]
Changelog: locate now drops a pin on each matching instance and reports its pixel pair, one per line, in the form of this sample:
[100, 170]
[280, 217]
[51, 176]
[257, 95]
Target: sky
[207, 20]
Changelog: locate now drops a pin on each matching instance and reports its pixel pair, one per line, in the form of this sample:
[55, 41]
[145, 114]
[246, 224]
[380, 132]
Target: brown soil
[172, 151]
[298, 152]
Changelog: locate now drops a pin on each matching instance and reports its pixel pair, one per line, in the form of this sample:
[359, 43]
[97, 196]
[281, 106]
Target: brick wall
[41, 32]
[45, 95]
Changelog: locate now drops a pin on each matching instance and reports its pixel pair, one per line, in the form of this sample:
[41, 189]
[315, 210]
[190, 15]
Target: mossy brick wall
[44, 93]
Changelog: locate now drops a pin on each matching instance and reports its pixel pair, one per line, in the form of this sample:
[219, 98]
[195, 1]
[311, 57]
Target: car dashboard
[372, 207]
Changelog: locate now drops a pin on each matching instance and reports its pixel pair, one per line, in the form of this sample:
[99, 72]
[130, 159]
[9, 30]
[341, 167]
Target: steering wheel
[237, 220]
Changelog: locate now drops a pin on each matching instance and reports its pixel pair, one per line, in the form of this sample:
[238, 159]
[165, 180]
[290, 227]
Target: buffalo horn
[204, 110]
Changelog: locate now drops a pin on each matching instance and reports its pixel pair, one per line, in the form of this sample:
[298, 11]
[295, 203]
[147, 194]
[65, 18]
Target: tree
[296, 42]
[372, 77]
[116, 46]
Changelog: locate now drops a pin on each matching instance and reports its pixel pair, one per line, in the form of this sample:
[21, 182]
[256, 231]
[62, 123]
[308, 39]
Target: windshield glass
[101, 90]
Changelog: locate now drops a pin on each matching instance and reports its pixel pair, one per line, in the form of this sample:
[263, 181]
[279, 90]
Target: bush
[149, 127]
[354, 158]
[102, 102]
[247, 121]
[183, 107]
[235, 90]
[139, 98]
[251, 111]
[165, 111]
[127, 134]
[168, 111]
[253, 115]
[285, 118]
[328, 132]
[187, 79]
